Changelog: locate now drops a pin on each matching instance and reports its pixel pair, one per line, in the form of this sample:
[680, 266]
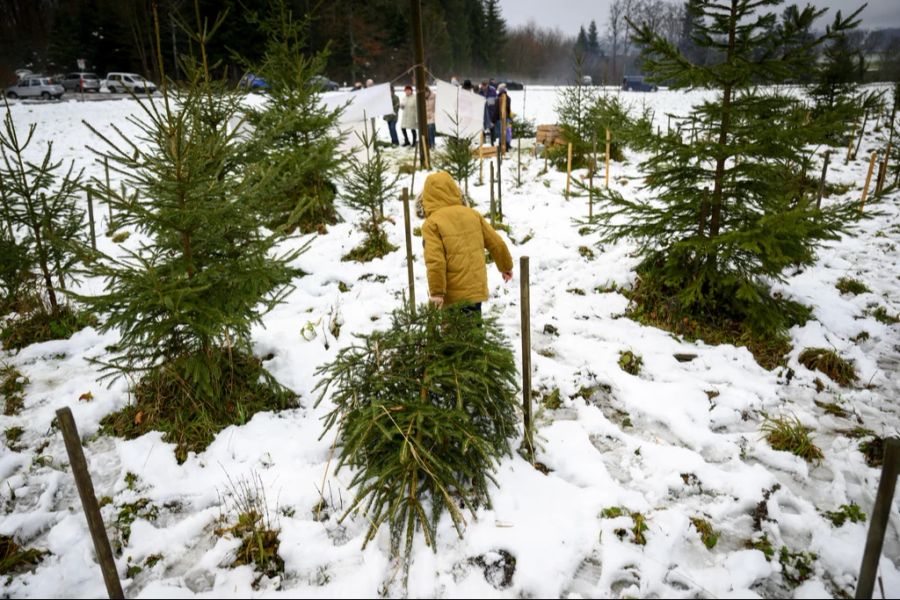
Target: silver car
[35, 87]
[81, 81]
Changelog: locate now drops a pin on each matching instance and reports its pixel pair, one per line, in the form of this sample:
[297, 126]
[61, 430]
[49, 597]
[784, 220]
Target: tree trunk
[724, 129]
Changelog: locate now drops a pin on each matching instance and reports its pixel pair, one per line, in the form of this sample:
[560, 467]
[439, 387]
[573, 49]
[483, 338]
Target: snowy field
[679, 441]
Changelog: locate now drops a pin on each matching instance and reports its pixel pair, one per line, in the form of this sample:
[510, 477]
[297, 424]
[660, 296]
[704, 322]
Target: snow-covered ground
[678, 441]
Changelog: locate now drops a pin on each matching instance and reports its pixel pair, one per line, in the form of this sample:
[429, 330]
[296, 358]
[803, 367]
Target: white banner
[458, 112]
[361, 105]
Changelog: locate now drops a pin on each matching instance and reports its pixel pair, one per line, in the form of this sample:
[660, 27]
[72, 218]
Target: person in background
[410, 117]
[454, 80]
[455, 238]
[467, 85]
[429, 112]
[503, 98]
[357, 86]
[370, 83]
[490, 94]
[392, 118]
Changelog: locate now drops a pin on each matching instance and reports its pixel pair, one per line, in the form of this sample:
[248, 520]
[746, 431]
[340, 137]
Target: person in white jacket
[410, 119]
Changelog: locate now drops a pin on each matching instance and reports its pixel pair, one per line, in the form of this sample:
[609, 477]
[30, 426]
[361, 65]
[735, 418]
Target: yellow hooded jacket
[455, 237]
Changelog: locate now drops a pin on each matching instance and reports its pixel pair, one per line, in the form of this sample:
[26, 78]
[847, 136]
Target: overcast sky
[569, 15]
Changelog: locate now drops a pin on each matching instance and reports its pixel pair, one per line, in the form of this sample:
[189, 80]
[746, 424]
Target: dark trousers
[432, 132]
[392, 127]
[406, 139]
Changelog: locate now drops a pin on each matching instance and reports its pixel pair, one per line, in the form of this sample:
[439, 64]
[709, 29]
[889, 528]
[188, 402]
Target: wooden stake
[569, 171]
[591, 180]
[409, 254]
[607, 157]
[415, 18]
[862, 134]
[822, 180]
[865, 192]
[499, 186]
[525, 302]
[504, 98]
[519, 165]
[881, 514]
[493, 206]
[882, 170]
[108, 191]
[481, 160]
[850, 145]
[89, 502]
[90, 202]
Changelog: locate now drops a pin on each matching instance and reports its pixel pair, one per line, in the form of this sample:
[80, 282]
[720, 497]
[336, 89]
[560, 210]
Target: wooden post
[822, 180]
[881, 513]
[108, 191]
[850, 145]
[374, 137]
[481, 160]
[90, 202]
[569, 171]
[525, 303]
[862, 134]
[89, 502]
[409, 254]
[493, 206]
[865, 192]
[668, 124]
[591, 180]
[419, 67]
[882, 170]
[519, 166]
[607, 157]
[504, 101]
[499, 186]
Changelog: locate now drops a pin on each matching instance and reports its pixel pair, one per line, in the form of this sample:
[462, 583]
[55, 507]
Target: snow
[655, 443]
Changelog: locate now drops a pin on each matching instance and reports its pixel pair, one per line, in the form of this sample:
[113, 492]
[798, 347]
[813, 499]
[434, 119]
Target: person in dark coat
[490, 94]
[392, 118]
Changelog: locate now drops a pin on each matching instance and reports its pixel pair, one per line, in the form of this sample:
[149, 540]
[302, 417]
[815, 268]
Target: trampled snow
[678, 441]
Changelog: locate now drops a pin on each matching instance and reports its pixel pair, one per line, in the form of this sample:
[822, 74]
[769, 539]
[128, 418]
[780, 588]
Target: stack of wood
[485, 151]
[550, 135]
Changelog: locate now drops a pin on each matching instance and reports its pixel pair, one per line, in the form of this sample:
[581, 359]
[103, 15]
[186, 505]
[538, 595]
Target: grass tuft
[841, 371]
[630, 362]
[14, 558]
[12, 388]
[708, 535]
[42, 326]
[788, 434]
[848, 285]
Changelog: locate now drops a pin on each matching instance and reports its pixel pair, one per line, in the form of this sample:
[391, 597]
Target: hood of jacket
[440, 191]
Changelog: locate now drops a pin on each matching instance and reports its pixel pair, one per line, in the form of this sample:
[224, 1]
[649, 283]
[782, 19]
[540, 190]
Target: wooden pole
[569, 171]
[90, 203]
[591, 180]
[607, 157]
[419, 49]
[409, 254]
[822, 180]
[499, 186]
[89, 502]
[525, 303]
[865, 192]
[504, 102]
[519, 166]
[493, 206]
[882, 170]
[850, 145]
[862, 134]
[481, 160]
[881, 513]
[108, 191]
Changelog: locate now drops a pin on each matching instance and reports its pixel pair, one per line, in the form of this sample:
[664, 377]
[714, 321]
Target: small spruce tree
[293, 132]
[574, 106]
[367, 184]
[184, 301]
[42, 231]
[728, 213]
[424, 412]
[457, 157]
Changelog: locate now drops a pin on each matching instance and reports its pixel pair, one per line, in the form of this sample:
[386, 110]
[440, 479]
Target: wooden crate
[486, 151]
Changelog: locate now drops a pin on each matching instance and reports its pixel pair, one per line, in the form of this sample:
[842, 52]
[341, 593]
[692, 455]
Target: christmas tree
[42, 230]
[184, 300]
[424, 411]
[293, 132]
[730, 212]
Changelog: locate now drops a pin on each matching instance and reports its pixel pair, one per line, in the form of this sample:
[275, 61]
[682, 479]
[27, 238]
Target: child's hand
[507, 276]
[438, 301]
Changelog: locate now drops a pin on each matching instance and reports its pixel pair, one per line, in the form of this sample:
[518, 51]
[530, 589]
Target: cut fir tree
[185, 300]
[423, 411]
[729, 212]
[40, 235]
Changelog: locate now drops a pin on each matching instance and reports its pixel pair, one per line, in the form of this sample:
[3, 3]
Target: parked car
[514, 85]
[35, 87]
[124, 82]
[636, 83]
[253, 82]
[81, 81]
[324, 83]
[586, 80]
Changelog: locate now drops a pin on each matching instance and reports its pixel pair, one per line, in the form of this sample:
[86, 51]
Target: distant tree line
[364, 38]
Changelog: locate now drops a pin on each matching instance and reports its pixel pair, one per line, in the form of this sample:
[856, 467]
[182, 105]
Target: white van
[123, 82]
